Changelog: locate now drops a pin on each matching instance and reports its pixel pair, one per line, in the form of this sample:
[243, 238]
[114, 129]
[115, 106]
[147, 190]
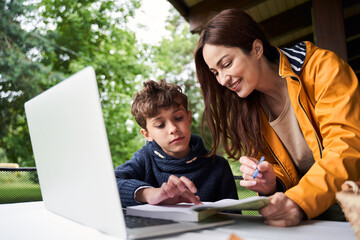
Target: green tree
[21, 77]
[70, 35]
[174, 60]
[97, 35]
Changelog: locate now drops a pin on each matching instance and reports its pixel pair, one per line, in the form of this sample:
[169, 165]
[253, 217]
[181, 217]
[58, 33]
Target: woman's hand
[282, 211]
[175, 190]
[264, 183]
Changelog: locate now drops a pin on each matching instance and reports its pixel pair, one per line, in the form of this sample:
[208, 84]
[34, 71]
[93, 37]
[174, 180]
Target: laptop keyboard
[136, 222]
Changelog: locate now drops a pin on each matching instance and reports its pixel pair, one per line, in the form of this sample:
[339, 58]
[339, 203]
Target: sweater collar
[193, 159]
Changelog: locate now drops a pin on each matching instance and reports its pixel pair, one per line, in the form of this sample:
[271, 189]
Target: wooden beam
[201, 12]
[329, 26]
[309, 37]
[355, 65]
[352, 26]
[354, 50]
[349, 3]
[181, 7]
[295, 18]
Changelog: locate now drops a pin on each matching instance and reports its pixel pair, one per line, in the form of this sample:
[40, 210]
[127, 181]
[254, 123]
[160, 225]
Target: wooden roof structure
[330, 24]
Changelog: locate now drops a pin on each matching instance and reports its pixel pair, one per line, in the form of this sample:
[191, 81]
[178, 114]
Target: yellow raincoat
[325, 95]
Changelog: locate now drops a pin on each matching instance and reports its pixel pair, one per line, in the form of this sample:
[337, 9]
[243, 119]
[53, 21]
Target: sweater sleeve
[227, 186]
[129, 177]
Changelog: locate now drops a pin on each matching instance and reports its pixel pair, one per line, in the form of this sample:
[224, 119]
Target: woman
[298, 107]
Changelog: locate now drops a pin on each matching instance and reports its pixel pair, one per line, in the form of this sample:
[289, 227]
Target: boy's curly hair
[154, 96]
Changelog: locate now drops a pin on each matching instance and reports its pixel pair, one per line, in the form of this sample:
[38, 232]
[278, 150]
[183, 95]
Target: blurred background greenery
[43, 42]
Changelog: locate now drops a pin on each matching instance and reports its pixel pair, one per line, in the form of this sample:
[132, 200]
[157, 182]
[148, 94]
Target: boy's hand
[175, 190]
[264, 183]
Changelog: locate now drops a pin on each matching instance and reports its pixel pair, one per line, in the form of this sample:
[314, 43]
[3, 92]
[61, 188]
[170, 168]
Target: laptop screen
[72, 154]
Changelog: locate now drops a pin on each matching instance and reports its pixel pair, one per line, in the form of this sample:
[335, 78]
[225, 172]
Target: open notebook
[73, 160]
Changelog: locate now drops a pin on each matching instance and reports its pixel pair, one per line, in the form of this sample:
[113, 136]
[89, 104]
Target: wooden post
[329, 26]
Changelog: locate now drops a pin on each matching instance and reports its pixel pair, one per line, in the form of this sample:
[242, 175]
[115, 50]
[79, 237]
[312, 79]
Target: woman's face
[233, 68]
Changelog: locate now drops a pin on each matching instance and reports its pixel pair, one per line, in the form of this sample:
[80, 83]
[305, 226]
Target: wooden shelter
[330, 24]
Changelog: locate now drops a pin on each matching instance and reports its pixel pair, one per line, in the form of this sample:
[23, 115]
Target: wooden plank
[203, 11]
[329, 26]
[352, 26]
[353, 46]
[355, 65]
[181, 7]
[309, 37]
[295, 18]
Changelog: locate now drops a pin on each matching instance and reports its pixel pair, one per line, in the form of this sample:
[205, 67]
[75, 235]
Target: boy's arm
[135, 188]
[174, 191]
[130, 176]
[227, 186]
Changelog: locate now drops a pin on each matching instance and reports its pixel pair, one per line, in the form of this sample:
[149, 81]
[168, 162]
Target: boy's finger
[189, 184]
[191, 197]
[166, 189]
[177, 183]
[171, 190]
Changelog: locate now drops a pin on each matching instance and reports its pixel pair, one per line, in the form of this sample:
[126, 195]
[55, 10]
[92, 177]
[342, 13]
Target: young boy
[172, 166]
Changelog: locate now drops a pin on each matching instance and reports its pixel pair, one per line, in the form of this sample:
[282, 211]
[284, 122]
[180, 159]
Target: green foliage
[70, 35]
[173, 54]
[96, 32]
[174, 58]
[20, 79]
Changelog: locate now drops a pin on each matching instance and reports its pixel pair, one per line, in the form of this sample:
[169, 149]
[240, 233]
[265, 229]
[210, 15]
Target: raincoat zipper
[302, 107]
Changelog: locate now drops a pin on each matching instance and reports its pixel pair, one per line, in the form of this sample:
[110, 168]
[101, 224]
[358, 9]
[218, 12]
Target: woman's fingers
[247, 172]
[265, 180]
[282, 211]
[250, 165]
[249, 162]
[275, 208]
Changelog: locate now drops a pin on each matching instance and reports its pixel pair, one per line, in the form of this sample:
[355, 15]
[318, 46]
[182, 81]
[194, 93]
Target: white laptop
[73, 160]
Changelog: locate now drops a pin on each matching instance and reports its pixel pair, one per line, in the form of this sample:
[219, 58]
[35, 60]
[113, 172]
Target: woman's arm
[333, 89]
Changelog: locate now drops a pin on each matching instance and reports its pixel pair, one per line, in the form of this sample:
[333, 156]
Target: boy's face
[171, 130]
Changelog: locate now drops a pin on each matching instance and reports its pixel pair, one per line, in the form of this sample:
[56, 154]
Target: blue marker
[257, 170]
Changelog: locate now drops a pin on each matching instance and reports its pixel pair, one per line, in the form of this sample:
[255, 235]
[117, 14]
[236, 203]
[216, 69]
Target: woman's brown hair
[233, 121]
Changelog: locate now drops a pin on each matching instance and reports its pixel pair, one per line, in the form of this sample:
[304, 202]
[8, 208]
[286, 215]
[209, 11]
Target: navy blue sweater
[151, 166]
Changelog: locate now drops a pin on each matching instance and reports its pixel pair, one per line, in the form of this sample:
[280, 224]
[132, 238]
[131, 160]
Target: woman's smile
[234, 86]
